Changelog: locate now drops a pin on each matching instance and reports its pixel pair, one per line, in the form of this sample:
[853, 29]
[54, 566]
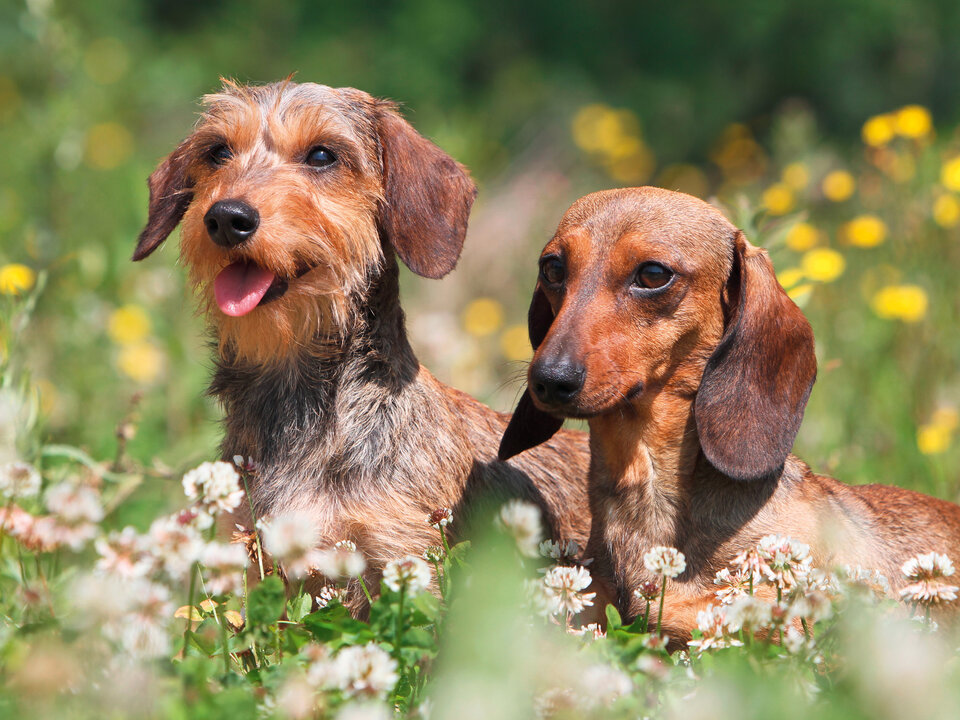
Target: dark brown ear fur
[529, 425]
[428, 197]
[169, 198]
[756, 383]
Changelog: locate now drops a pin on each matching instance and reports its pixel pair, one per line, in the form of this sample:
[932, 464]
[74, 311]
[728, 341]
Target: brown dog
[656, 320]
[294, 200]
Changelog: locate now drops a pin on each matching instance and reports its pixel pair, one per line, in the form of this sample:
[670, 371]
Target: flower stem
[663, 593]
[398, 630]
[186, 630]
[222, 622]
[363, 586]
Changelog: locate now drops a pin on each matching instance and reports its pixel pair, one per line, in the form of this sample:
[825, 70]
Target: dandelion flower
[665, 561]
[950, 174]
[564, 586]
[215, 485]
[946, 211]
[410, 572]
[483, 317]
[521, 520]
[440, 518]
[128, 325]
[838, 185]
[900, 302]
[16, 279]
[802, 236]
[823, 265]
[914, 121]
[865, 231]
[879, 130]
[778, 199]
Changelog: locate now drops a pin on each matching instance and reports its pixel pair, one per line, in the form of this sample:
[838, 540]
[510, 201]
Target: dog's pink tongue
[240, 286]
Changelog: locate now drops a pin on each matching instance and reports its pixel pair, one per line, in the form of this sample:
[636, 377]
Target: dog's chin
[586, 408]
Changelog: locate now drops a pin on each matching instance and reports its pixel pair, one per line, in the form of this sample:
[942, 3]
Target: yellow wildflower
[141, 361]
[900, 302]
[515, 343]
[838, 185]
[878, 130]
[865, 231]
[796, 175]
[636, 167]
[946, 211]
[778, 199]
[801, 293]
[16, 279]
[482, 317]
[933, 439]
[802, 236]
[950, 174]
[790, 277]
[823, 264]
[914, 121]
[108, 145]
[128, 325]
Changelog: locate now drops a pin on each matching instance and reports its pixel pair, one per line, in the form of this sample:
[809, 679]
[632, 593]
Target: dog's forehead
[649, 215]
[347, 110]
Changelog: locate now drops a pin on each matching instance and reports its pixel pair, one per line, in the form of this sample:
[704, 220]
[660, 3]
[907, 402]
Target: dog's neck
[330, 404]
[650, 485]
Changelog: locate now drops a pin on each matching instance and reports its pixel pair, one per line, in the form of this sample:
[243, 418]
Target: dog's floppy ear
[169, 198]
[756, 383]
[529, 425]
[427, 197]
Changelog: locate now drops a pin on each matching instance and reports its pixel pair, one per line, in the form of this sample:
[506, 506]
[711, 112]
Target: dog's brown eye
[552, 270]
[219, 154]
[653, 275]
[320, 157]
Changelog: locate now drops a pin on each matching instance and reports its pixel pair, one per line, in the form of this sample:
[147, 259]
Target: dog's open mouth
[243, 285]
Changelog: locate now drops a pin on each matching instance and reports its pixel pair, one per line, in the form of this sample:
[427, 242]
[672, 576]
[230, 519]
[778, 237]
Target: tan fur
[713, 372]
[320, 385]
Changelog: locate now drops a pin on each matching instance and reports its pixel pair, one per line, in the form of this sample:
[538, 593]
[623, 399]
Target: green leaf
[266, 602]
[613, 618]
[300, 607]
[427, 608]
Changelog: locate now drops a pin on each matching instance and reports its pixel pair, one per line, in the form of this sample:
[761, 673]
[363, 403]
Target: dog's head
[644, 291]
[287, 194]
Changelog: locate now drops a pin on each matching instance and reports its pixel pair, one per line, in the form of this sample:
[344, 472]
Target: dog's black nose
[230, 222]
[558, 382]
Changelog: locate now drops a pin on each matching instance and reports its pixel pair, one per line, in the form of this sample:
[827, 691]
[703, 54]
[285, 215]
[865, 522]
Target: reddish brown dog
[296, 200]
[656, 320]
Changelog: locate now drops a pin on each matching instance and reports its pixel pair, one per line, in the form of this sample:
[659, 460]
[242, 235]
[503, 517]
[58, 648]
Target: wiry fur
[694, 396]
[321, 386]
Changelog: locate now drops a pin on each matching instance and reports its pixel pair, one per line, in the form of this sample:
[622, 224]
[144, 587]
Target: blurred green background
[827, 129]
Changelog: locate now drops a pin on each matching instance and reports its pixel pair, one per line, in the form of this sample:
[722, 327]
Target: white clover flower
[665, 561]
[521, 520]
[748, 612]
[795, 641]
[215, 486]
[345, 545]
[74, 504]
[602, 685]
[124, 554]
[787, 561]
[555, 702]
[440, 518]
[19, 480]
[296, 699]
[340, 562]
[873, 580]
[812, 604]
[142, 630]
[329, 593]
[290, 536]
[927, 567]
[410, 572]
[561, 551]
[753, 567]
[731, 585]
[928, 593]
[656, 642]
[592, 630]
[433, 554]
[174, 544]
[224, 565]
[564, 585]
[716, 630]
[366, 671]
